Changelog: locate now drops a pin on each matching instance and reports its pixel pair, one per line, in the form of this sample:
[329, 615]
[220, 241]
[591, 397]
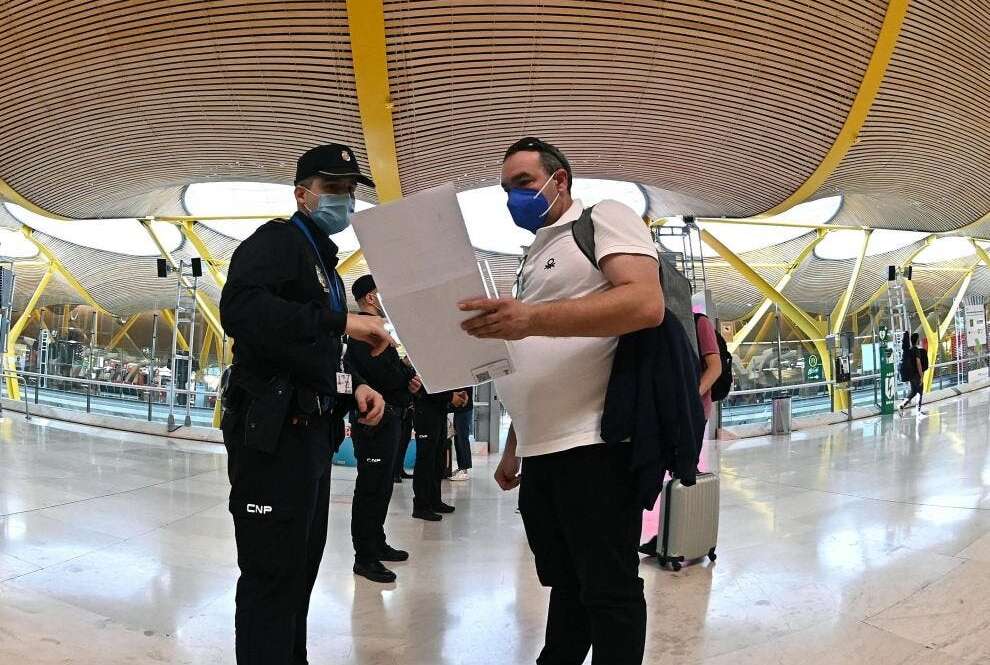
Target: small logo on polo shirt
[550, 264]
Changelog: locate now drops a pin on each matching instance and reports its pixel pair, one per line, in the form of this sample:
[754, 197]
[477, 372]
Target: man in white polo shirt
[578, 495]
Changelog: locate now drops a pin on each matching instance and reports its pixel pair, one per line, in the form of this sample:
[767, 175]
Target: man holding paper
[577, 498]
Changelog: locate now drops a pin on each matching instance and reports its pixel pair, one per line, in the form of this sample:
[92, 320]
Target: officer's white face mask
[332, 213]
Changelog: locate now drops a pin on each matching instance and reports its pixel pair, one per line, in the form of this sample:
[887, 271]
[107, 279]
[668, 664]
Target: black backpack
[723, 384]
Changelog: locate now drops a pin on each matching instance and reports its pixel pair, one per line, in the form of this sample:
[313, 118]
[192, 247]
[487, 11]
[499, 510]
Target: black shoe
[374, 571]
[407, 476]
[389, 553]
[428, 515]
[649, 548]
[444, 508]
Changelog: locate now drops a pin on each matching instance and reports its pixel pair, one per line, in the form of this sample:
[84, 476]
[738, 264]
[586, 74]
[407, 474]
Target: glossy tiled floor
[864, 544]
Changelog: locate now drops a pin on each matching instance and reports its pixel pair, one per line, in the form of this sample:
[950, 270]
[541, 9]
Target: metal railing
[91, 389]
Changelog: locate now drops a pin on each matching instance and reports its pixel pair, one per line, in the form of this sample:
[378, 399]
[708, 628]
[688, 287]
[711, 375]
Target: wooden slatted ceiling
[819, 283]
[27, 276]
[123, 284]
[727, 102]
[102, 102]
[666, 203]
[926, 141]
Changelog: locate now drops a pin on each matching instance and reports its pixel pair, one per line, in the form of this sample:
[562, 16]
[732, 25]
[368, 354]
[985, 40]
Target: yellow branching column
[13, 389]
[744, 332]
[366, 20]
[796, 315]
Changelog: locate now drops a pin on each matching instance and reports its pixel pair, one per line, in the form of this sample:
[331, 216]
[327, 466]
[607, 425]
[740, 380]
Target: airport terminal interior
[815, 176]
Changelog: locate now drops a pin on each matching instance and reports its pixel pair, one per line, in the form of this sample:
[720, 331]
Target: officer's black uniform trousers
[280, 503]
[431, 432]
[375, 449]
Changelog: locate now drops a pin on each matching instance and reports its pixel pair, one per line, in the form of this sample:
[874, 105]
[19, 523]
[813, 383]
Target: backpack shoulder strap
[583, 230]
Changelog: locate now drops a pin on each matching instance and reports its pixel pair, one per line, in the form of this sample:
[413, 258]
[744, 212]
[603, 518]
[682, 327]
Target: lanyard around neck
[336, 298]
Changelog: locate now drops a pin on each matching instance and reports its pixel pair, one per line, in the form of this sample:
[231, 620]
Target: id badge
[345, 384]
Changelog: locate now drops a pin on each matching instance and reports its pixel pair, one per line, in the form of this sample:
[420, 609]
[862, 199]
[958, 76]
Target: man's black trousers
[431, 432]
[917, 388]
[583, 524]
[280, 503]
[462, 438]
[375, 449]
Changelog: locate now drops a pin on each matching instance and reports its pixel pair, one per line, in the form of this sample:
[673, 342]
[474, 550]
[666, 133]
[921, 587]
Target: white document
[421, 257]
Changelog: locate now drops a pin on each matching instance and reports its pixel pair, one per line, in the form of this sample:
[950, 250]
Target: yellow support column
[906, 262]
[761, 335]
[57, 265]
[796, 315]
[204, 353]
[118, 336]
[839, 313]
[883, 48]
[170, 322]
[366, 20]
[211, 313]
[744, 332]
[212, 264]
[13, 389]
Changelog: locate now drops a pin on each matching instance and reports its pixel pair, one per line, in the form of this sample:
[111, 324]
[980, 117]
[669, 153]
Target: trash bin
[780, 416]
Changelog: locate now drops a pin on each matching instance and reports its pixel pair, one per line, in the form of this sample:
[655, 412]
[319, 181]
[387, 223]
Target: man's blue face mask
[529, 207]
[332, 213]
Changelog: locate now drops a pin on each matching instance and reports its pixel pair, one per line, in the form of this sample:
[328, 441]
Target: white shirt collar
[569, 215]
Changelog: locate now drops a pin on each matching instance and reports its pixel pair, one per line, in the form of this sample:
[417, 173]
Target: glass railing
[761, 372]
[139, 402]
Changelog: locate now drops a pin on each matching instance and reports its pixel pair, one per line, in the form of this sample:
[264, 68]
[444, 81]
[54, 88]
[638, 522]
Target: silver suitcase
[688, 521]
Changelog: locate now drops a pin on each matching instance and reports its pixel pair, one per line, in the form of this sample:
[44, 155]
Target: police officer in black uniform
[431, 433]
[376, 447]
[285, 398]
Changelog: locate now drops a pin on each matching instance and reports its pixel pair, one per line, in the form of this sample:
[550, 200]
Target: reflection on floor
[862, 544]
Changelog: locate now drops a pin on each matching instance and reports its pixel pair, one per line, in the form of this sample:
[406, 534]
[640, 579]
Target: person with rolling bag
[688, 517]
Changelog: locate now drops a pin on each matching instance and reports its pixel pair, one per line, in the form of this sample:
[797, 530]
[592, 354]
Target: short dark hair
[914, 338]
[308, 182]
[551, 157]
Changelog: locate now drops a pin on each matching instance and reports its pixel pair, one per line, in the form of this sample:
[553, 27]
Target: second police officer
[376, 447]
[285, 397]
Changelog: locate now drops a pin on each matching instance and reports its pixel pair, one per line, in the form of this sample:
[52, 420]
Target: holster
[255, 407]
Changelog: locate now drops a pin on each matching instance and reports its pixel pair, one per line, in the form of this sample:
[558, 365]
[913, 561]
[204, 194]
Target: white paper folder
[419, 252]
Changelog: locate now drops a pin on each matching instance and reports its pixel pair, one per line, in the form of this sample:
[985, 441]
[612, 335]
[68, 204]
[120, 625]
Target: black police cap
[362, 286]
[331, 160]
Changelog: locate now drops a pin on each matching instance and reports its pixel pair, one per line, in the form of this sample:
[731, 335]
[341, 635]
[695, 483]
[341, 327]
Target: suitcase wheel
[711, 554]
[675, 566]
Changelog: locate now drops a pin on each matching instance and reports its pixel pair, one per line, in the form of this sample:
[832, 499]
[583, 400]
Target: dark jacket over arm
[653, 400]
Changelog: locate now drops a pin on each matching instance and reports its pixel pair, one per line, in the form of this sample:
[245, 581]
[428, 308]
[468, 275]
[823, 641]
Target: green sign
[813, 369]
[882, 333]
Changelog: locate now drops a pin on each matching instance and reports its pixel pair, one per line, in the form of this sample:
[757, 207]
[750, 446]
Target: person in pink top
[711, 360]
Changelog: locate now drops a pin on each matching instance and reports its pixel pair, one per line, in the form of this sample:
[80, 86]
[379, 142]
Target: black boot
[444, 508]
[374, 571]
[389, 553]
